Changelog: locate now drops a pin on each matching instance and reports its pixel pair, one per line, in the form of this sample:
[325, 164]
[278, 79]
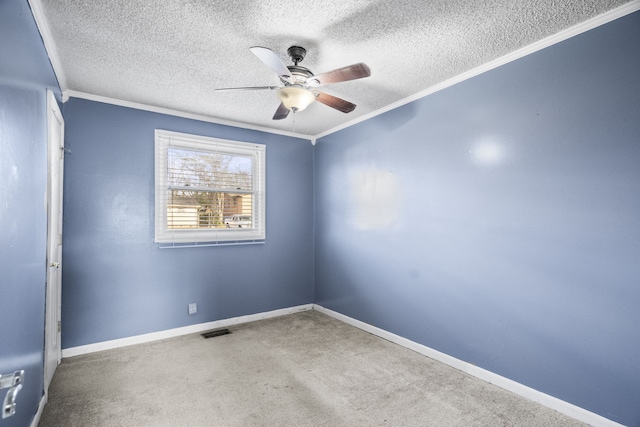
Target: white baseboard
[544, 399]
[170, 333]
[527, 392]
[38, 415]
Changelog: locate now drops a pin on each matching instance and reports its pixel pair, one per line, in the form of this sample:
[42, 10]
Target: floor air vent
[216, 333]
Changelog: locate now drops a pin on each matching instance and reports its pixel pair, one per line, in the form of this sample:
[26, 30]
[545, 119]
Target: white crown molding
[185, 330]
[98, 98]
[49, 43]
[563, 35]
[580, 28]
[522, 390]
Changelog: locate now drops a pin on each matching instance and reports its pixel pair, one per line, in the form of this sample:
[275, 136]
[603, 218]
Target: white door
[55, 131]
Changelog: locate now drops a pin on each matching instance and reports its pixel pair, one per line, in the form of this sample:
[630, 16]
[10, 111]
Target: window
[208, 190]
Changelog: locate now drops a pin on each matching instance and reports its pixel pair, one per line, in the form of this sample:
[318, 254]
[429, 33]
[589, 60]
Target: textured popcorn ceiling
[173, 53]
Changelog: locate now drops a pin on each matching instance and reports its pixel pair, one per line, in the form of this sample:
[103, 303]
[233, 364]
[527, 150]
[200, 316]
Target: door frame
[55, 179]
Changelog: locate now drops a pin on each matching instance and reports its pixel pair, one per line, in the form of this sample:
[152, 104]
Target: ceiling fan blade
[271, 59]
[281, 113]
[350, 72]
[226, 89]
[335, 102]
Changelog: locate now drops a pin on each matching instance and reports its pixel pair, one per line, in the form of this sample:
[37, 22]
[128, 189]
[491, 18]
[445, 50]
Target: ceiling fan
[298, 83]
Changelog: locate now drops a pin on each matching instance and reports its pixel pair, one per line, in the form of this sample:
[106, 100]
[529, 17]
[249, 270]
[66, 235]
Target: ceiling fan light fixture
[296, 98]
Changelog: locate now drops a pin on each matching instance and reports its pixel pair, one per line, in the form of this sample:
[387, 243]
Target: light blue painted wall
[117, 283]
[527, 267]
[498, 221]
[25, 74]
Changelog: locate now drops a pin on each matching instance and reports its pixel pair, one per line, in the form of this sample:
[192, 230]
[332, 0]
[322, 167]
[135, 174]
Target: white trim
[170, 333]
[580, 28]
[36, 418]
[49, 43]
[165, 141]
[55, 170]
[563, 35]
[168, 111]
[522, 390]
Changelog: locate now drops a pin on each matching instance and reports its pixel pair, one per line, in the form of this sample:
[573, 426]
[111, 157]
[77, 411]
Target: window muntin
[208, 189]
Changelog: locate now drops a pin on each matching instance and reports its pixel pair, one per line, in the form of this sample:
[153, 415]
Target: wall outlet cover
[193, 308]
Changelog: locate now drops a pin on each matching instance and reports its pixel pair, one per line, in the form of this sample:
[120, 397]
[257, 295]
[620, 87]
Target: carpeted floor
[304, 369]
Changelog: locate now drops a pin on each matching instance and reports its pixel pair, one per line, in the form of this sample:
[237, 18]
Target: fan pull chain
[294, 123]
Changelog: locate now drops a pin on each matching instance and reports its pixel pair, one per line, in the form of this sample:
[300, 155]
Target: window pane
[201, 169]
[208, 190]
[208, 209]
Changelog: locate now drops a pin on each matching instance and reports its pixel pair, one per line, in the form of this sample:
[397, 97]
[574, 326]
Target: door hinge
[59, 327]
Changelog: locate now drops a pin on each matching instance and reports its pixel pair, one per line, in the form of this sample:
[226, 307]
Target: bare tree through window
[205, 188]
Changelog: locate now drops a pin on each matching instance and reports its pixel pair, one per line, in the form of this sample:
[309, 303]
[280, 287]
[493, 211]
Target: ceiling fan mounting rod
[297, 53]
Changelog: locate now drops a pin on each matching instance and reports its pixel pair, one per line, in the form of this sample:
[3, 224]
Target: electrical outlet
[193, 308]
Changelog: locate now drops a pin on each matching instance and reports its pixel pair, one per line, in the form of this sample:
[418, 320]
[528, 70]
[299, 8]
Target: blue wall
[498, 220]
[25, 74]
[117, 283]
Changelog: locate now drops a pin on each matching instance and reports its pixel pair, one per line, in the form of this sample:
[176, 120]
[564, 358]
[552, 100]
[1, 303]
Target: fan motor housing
[300, 74]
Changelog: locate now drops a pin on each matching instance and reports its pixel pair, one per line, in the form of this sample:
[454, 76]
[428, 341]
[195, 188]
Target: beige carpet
[305, 369]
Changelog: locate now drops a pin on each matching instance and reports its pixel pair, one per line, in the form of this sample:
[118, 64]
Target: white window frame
[167, 139]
